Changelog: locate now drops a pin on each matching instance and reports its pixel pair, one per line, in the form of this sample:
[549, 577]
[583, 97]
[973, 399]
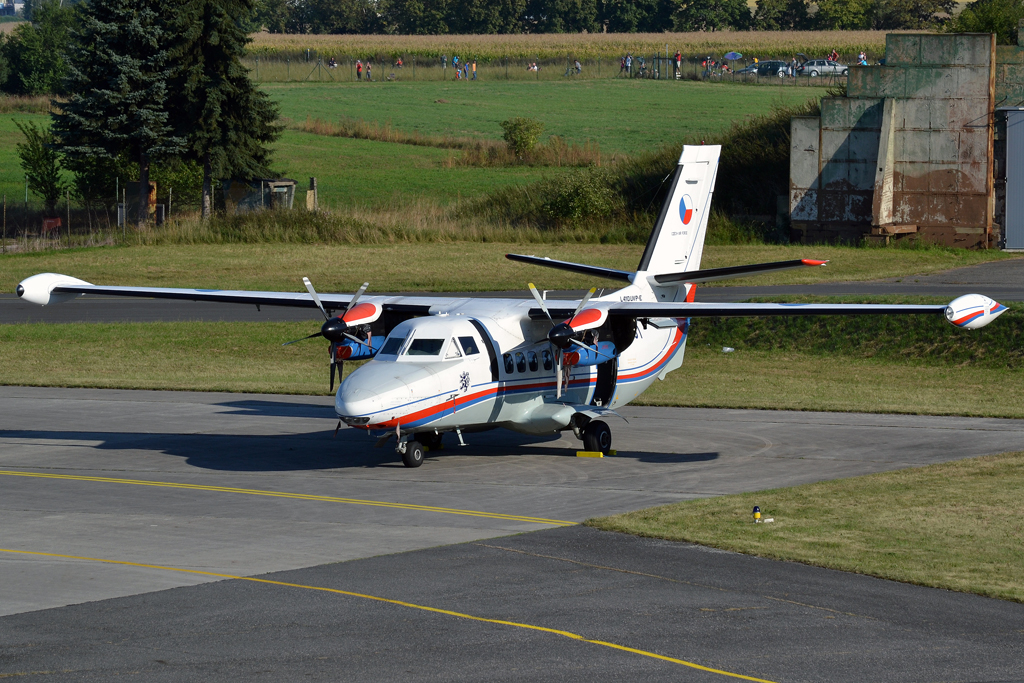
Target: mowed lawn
[622, 116]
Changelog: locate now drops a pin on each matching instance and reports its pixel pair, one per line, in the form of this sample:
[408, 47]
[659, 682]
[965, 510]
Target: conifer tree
[225, 120]
[117, 89]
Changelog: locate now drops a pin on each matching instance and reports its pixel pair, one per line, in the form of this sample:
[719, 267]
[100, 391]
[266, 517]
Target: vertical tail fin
[677, 241]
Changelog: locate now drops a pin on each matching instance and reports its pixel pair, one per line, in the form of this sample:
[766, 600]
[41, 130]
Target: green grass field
[622, 116]
[955, 525]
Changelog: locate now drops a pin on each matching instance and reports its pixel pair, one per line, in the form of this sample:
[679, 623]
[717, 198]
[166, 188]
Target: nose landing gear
[412, 453]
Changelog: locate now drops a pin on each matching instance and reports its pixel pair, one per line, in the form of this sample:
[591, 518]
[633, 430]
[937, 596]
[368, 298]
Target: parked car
[772, 68]
[823, 67]
[751, 69]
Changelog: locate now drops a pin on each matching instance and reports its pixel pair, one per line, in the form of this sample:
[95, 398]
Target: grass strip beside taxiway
[954, 525]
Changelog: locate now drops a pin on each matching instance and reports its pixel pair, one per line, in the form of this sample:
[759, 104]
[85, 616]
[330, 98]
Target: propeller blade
[590, 348]
[540, 301]
[295, 341]
[558, 372]
[357, 340]
[583, 303]
[312, 293]
[355, 298]
[332, 369]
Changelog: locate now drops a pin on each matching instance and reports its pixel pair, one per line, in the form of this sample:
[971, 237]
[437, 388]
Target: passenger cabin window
[453, 350]
[425, 347]
[469, 345]
[509, 365]
[546, 357]
[392, 346]
[532, 358]
[520, 362]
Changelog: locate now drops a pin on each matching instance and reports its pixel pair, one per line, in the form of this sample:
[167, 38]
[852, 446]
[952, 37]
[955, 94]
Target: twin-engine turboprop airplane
[443, 364]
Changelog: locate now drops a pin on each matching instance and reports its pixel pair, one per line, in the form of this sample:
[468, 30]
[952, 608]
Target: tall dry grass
[579, 45]
[25, 104]
[474, 152]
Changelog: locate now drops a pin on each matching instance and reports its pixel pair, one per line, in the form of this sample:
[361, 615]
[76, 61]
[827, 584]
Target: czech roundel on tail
[442, 364]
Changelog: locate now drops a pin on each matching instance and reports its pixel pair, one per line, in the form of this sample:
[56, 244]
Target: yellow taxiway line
[296, 496]
[402, 603]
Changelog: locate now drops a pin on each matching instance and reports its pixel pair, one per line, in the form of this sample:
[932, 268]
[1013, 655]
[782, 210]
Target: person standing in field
[368, 76]
[629, 65]
[359, 70]
[474, 69]
[578, 67]
[678, 62]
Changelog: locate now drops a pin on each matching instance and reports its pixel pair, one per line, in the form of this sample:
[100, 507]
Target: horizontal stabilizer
[596, 271]
[730, 272]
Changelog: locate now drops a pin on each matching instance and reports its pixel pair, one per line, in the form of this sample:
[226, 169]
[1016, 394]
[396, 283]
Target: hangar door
[1014, 180]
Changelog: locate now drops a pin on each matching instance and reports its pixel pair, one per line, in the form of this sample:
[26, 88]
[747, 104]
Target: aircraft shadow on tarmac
[278, 409]
[320, 450]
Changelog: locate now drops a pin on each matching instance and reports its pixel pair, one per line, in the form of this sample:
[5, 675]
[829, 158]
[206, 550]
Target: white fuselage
[438, 372]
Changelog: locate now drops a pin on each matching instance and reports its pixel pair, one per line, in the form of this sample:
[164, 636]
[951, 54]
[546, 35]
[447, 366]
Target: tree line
[140, 82]
[438, 17]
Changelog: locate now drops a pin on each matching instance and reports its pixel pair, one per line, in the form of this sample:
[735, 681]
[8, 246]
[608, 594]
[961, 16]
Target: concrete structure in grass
[917, 146]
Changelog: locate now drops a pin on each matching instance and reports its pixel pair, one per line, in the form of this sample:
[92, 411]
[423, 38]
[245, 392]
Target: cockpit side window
[453, 350]
[469, 345]
[425, 347]
[546, 356]
[392, 346]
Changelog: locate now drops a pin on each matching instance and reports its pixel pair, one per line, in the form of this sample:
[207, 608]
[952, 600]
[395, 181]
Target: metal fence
[320, 67]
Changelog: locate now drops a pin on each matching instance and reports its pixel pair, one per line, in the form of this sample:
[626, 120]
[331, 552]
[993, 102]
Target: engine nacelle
[972, 311]
[38, 289]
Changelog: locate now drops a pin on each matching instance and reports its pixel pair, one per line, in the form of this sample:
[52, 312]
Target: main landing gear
[597, 436]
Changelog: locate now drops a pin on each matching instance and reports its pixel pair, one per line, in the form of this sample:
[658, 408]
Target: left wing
[49, 288]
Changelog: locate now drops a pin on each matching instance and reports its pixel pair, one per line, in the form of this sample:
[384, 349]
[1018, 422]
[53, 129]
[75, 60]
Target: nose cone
[383, 390]
[356, 398]
[20, 291]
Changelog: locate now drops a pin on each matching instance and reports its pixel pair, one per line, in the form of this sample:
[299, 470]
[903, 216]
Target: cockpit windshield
[392, 346]
[425, 347]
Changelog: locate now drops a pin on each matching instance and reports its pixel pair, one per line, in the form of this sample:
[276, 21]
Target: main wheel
[413, 456]
[597, 437]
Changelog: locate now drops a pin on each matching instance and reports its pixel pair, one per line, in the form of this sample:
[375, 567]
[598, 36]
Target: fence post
[5, 223]
[289, 76]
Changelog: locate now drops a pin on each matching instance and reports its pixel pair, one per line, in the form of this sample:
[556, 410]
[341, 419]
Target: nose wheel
[597, 436]
[412, 456]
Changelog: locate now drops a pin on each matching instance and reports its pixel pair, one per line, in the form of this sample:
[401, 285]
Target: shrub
[578, 195]
[41, 163]
[521, 134]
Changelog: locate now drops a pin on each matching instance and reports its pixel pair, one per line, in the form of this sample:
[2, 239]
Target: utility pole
[5, 223]
[69, 217]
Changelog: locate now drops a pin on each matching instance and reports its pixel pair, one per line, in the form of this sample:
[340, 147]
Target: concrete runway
[246, 485]
[1001, 280]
